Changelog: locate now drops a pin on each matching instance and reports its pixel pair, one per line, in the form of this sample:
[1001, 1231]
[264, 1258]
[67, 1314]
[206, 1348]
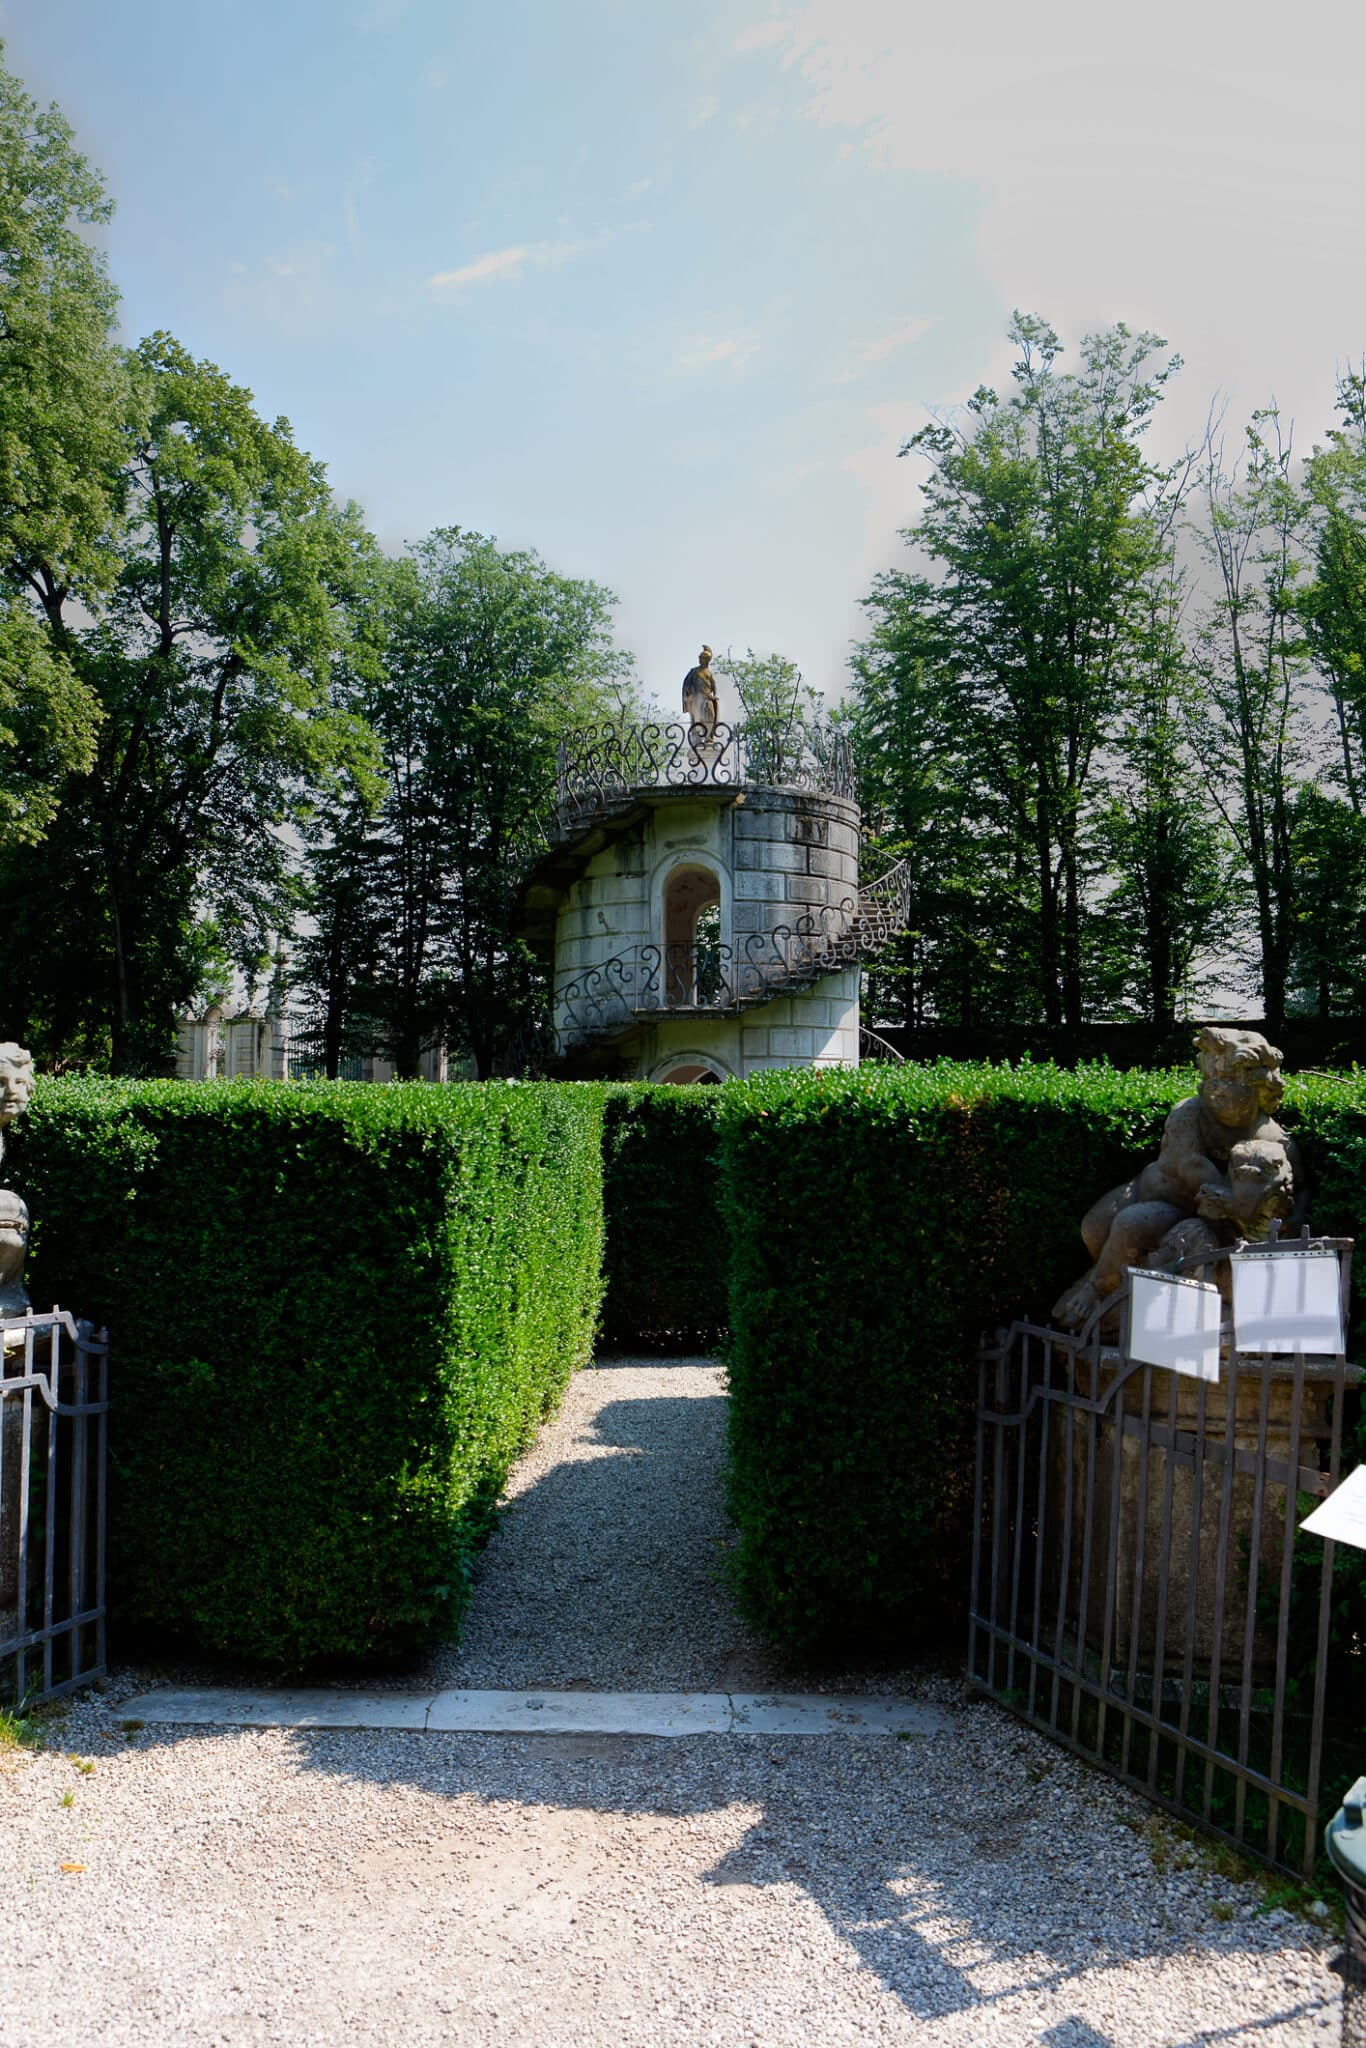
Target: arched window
[692, 937]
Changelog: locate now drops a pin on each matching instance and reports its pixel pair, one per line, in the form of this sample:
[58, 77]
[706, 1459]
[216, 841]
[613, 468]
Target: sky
[660, 291]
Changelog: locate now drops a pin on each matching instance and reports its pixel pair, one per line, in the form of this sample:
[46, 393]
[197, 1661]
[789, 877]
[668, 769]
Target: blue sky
[660, 291]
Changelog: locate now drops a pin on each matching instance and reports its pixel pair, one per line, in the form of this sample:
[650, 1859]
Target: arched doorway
[691, 1074]
[692, 936]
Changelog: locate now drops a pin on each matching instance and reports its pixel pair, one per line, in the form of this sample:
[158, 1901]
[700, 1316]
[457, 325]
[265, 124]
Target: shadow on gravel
[954, 1890]
[961, 1869]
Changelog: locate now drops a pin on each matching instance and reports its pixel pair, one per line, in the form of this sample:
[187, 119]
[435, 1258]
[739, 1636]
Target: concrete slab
[830, 1714]
[309, 1707]
[540, 1713]
[582, 1713]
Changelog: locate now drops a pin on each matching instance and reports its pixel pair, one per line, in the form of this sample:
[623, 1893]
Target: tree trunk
[123, 1023]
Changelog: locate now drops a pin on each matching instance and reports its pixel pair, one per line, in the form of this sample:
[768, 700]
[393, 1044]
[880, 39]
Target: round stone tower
[699, 901]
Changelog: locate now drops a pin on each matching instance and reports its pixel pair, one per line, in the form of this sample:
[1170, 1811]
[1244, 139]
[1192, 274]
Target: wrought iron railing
[54, 1402]
[710, 979]
[1138, 1590]
[602, 766]
[605, 1000]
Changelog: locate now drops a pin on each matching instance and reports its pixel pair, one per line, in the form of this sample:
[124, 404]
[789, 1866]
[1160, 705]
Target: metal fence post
[1345, 1839]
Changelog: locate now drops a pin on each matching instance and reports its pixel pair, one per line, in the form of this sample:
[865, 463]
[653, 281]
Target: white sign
[1342, 1518]
[1288, 1301]
[1174, 1322]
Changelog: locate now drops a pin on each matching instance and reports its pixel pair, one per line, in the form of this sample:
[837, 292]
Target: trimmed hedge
[665, 1264]
[879, 1222]
[338, 1314]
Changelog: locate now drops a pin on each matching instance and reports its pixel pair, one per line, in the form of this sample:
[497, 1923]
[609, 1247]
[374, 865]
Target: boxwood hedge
[879, 1221]
[665, 1264]
[338, 1313]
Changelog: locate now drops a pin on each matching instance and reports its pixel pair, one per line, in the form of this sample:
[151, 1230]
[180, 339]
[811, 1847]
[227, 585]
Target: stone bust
[700, 706]
[1224, 1168]
[16, 1084]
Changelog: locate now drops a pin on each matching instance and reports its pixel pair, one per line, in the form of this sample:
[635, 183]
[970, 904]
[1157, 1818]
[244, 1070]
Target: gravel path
[971, 1887]
[607, 1570]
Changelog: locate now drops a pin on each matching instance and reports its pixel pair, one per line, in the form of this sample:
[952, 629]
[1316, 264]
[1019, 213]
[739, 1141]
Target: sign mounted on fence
[1174, 1322]
[1288, 1301]
[1342, 1518]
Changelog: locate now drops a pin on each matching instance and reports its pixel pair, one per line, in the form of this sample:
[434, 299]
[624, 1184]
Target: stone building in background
[699, 902]
[250, 1046]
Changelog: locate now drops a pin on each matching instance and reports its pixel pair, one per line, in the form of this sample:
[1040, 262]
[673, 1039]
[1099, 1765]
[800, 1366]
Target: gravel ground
[976, 1886]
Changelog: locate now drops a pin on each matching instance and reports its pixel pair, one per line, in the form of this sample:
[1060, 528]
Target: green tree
[223, 666]
[1166, 860]
[1037, 518]
[62, 414]
[769, 691]
[1255, 729]
[1332, 603]
[924, 799]
[490, 658]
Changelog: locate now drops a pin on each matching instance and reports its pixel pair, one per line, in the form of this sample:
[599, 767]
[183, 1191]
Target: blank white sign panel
[1343, 1515]
[1287, 1301]
[1174, 1322]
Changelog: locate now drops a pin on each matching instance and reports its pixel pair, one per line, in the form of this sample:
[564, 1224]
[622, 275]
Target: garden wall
[338, 1313]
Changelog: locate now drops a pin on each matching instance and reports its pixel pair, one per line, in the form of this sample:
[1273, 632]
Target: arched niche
[690, 1070]
[692, 934]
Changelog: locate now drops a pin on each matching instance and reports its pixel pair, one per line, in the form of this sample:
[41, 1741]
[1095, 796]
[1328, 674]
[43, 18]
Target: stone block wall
[779, 857]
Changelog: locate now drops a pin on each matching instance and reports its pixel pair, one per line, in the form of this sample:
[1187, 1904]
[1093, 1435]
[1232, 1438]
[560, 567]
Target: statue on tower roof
[700, 707]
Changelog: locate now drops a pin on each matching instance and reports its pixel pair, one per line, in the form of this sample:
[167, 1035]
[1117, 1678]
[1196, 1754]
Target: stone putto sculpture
[13, 1249]
[16, 1090]
[1224, 1171]
[700, 705]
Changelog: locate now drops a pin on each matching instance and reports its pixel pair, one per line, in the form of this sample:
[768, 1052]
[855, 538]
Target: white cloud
[706, 110]
[295, 295]
[1206, 185]
[763, 35]
[706, 351]
[505, 265]
[900, 337]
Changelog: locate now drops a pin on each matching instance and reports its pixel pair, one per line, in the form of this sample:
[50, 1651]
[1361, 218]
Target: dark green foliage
[338, 1315]
[879, 1222]
[665, 1262]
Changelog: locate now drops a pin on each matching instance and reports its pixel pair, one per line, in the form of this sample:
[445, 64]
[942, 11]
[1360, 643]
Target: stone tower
[699, 901]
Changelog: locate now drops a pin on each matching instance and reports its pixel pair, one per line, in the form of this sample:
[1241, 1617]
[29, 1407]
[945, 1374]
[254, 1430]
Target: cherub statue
[1224, 1168]
[700, 706]
[16, 1084]
[13, 1248]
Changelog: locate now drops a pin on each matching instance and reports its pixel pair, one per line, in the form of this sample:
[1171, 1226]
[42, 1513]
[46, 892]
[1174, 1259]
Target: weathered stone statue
[16, 1084]
[700, 706]
[1225, 1168]
[13, 1248]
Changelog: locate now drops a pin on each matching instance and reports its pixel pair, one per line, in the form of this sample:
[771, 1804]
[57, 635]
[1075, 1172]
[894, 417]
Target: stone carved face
[16, 1081]
[1240, 1074]
[1262, 1184]
[13, 1237]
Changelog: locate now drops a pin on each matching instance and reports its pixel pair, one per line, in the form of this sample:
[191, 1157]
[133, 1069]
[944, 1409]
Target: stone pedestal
[1167, 1519]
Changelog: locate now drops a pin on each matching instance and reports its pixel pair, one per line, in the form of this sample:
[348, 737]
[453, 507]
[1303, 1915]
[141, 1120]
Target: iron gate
[54, 1402]
[1137, 1589]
